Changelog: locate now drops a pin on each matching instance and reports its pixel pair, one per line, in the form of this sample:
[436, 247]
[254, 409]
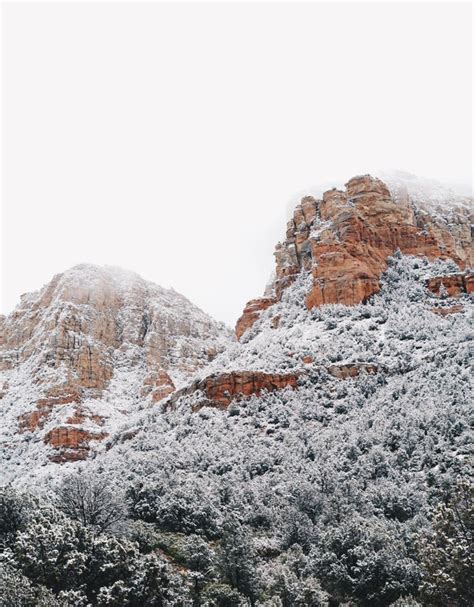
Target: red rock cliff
[221, 389]
[345, 238]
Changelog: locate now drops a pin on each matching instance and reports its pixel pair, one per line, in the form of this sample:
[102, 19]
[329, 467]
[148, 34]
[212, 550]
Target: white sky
[170, 138]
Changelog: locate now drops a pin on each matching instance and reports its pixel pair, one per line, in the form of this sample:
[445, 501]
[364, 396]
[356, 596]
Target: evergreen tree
[447, 554]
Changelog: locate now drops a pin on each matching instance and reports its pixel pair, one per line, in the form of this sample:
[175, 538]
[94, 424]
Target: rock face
[345, 238]
[71, 443]
[352, 370]
[221, 389]
[451, 285]
[78, 356]
[251, 313]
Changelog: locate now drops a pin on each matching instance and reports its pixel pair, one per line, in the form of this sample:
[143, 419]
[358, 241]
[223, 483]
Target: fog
[171, 139]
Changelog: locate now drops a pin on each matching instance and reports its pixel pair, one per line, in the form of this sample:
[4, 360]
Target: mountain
[87, 351]
[345, 239]
[322, 459]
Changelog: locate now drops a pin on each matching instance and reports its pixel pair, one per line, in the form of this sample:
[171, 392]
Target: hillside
[322, 459]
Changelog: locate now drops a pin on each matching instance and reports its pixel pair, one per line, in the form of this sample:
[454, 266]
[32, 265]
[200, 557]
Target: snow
[75, 300]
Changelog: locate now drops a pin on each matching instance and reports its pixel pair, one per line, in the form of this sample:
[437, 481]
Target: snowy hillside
[88, 351]
[322, 459]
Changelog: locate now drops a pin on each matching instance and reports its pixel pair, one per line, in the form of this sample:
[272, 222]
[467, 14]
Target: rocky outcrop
[71, 443]
[159, 385]
[345, 238]
[97, 334]
[55, 397]
[251, 312]
[451, 285]
[220, 390]
[350, 370]
[457, 309]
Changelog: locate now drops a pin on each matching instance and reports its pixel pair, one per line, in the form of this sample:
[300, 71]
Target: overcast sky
[170, 139]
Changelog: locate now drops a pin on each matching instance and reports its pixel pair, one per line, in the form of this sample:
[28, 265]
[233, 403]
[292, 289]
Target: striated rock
[452, 285]
[36, 419]
[159, 385]
[72, 443]
[345, 238]
[309, 209]
[82, 414]
[29, 422]
[219, 390]
[58, 396]
[222, 389]
[367, 226]
[251, 312]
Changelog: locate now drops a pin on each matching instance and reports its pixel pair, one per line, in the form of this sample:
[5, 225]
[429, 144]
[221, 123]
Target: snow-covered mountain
[90, 349]
[321, 459]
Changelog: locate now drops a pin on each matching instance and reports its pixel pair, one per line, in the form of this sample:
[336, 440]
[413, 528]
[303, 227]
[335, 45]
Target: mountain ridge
[321, 459]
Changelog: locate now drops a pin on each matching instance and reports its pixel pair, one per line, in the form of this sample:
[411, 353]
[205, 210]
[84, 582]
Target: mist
[124, 146]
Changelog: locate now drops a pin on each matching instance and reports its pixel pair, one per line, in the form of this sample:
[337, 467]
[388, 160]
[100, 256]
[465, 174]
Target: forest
[340, 492]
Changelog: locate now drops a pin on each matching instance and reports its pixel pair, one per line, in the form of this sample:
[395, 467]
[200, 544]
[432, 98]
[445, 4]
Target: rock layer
[456, 309]
[451, 285]
[251, 312]
[221, 389]
[72, 443]
[351, 370]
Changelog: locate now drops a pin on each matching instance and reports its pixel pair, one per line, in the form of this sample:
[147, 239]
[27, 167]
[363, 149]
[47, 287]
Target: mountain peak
[344, 240]
[90, 345]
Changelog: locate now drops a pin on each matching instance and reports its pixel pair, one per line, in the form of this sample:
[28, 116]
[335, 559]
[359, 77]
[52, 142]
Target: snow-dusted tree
[447, 555]
[223, 595]
[201, 560]
[89, 499]
[364, 560]
[50, 549]
[16, 590]
[14, 508]
[238, 559]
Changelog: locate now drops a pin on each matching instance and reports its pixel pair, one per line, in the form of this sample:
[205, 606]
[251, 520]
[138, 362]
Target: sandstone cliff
[345, 238]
